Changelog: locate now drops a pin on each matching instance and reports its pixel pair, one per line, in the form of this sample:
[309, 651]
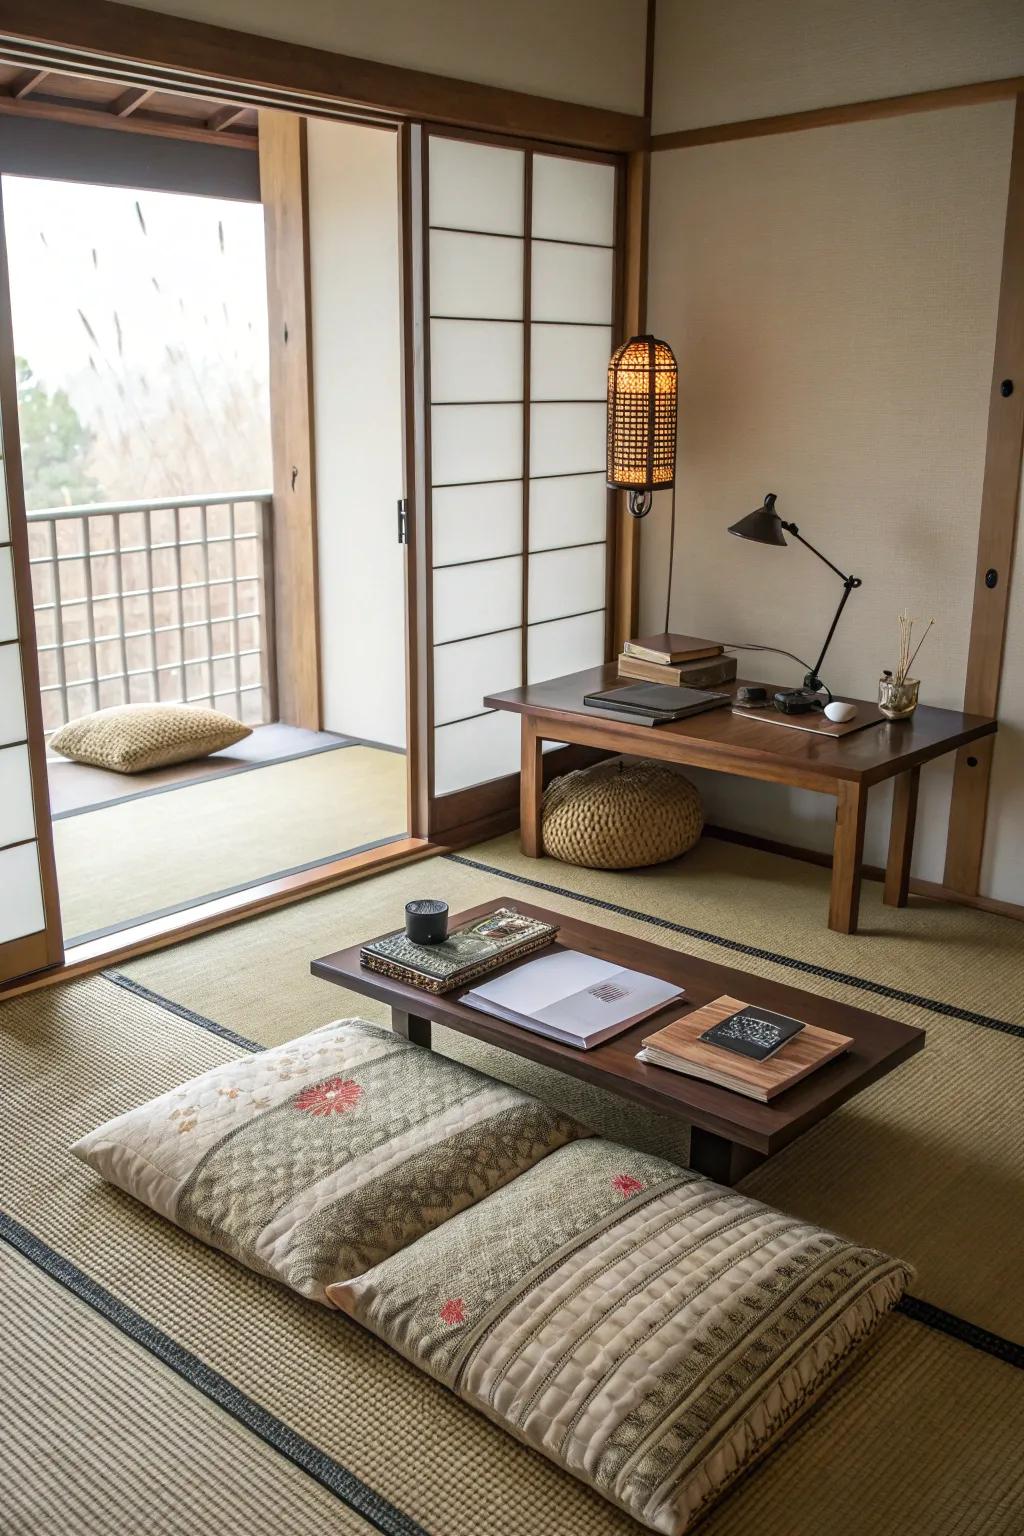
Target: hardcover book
[671, 648]
[685, 1046]
[705, 673]
[468, 952]
[754, 1032]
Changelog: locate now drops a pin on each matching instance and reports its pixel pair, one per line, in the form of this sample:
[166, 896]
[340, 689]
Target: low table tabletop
[730, 1133]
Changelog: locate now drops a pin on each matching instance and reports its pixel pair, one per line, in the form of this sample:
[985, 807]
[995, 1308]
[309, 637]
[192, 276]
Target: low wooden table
[845, 766]
[730, 1134]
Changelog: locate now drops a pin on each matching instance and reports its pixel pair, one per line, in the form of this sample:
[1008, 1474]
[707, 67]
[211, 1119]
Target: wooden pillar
[285, 196]
[627, 541]
[996, 539]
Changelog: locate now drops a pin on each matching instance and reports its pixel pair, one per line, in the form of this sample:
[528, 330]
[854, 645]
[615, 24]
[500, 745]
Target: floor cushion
[131, 738]
[621, 815]
[649, 1331]
[322, 1157]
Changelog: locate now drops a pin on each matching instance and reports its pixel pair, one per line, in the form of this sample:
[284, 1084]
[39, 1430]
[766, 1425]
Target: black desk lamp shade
[643, 383]
[765, 526]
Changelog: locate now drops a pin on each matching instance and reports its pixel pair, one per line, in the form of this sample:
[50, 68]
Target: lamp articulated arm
[812, 680]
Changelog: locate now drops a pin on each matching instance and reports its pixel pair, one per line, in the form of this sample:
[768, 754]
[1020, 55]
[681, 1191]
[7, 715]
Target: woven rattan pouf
[621, 816]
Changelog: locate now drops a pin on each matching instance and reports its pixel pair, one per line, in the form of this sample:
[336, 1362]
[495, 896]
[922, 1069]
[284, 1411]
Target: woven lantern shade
[643, 382]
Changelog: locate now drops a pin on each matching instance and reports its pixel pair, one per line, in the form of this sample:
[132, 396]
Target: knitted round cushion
[621, 815]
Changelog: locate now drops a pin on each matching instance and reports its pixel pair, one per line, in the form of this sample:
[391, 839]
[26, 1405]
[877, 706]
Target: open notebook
[572, 998]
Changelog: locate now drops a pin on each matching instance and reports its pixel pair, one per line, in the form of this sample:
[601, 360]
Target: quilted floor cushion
[322, 1157]
[644, 1328]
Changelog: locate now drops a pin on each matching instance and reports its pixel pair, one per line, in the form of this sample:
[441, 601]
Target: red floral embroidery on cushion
[453, 1312]
[332, 1097]
[627, 1185]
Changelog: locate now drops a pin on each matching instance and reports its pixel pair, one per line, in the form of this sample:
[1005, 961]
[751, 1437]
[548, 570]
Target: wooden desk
[729, 1134]
[845, 767]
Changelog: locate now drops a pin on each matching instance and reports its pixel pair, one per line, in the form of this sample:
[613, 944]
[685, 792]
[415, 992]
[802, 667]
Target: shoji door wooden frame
[45, 947]
[490, 806]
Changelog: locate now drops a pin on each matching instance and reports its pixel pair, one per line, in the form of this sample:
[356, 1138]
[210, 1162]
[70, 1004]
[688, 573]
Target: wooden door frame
[34, 951]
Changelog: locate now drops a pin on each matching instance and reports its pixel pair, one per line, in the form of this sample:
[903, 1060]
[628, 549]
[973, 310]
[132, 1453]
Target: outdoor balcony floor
[130, 848]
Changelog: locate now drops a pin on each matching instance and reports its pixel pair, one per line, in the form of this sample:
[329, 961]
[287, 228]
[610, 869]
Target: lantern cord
[671, 557]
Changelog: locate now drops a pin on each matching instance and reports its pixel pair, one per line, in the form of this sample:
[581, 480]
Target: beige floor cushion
[647, 1330]
[621, 815]
[322, 1157]
[131, 738]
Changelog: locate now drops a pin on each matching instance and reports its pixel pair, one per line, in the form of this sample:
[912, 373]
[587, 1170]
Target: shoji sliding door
[30, 936]
[519, 316]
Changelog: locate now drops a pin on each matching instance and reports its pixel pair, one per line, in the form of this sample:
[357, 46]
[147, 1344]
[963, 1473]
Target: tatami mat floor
[922, 1437]
[162, 852]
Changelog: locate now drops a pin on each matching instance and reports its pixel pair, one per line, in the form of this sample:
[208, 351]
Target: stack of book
[684, 661]
[741, 1046]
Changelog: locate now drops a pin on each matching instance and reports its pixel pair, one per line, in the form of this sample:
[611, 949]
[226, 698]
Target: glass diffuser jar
[897, 701]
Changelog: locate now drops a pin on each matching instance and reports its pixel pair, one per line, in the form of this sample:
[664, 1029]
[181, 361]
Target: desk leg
[531, 791]
[411, 1027]
[901, 838]
[847, 856]
[724, 1161]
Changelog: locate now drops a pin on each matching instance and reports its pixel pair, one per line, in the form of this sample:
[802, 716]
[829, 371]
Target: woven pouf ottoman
[621, 816]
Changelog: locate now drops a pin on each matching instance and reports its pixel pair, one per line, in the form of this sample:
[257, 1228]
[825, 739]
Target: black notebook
[754, 1032]
[654, 702]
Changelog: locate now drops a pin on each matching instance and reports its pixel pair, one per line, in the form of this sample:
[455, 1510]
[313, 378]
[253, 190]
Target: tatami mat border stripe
[119, 979]
[921, 1311]
[202, 778]
[942, 1321]
[328, 1472]
[808, 967]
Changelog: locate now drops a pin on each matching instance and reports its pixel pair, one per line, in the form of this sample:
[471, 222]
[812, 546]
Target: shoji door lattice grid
[521, 276]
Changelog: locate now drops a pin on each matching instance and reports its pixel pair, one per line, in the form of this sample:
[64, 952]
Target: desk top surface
[876, 752]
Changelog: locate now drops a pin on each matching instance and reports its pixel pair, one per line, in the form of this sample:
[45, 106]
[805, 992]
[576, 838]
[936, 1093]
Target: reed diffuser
[898, 691]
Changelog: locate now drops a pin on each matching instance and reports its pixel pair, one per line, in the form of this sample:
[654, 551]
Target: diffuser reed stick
[907, 655]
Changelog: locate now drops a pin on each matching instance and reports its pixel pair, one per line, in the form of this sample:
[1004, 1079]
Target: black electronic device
[752, 696]
[796, 701]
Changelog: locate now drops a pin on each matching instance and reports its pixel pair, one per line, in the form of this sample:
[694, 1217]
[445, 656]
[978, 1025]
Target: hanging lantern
[643, 382]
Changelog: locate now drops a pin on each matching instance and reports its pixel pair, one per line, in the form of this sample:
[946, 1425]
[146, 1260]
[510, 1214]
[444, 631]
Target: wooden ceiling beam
[102, 117]
[225, 118]
[203, 58]
[130, 101]
[24, 84]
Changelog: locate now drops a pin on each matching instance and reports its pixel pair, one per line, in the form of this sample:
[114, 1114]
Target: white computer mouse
[840, 712]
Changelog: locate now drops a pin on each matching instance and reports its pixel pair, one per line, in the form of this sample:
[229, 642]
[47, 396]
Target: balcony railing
[155, 602]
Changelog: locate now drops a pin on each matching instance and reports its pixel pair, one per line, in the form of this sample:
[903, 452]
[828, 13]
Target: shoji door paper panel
[476, 274]
[21, 894]
[517, 426]
[572, 307]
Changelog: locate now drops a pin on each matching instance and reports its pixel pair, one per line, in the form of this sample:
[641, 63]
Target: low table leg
[724, 1161]
[847, 855]
[411, 1027]
[531, 791]
[901, 838]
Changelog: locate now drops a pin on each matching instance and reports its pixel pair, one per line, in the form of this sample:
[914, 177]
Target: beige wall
[588, 51]
[720, 61]
[832, 299]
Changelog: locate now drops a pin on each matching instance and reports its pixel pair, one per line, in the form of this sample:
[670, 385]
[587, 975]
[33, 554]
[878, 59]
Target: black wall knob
[991, 577]
[1006, 388]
